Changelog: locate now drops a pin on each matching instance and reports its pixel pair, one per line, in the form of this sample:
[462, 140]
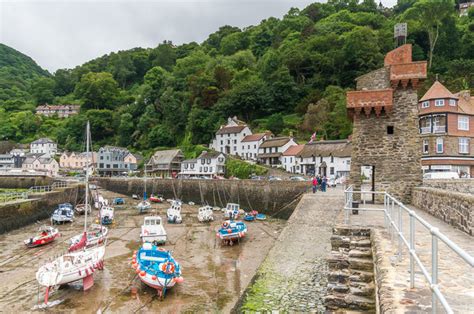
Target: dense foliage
[287, 75]
[243, 170]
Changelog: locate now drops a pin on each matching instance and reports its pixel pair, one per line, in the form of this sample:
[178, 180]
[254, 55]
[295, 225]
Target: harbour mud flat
[215, 275]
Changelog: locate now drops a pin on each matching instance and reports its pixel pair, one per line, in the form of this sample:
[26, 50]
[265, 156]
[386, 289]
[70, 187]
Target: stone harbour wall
[24, 182]
[351, 271]
[456, 185]
[16, 214]
[276, 198]
[457, 209]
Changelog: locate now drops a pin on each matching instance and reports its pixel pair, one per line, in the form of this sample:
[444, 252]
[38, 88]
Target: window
[185, 166]
[463, 145]
[390, 129]
[439, 124]
[210, 169]
[321, 158]
[248, 146]
[205, 169]
[425, 104]
[463, 123]
[235, 141]
[331, 170]
[255, 146]
[426, 147]
[439, 102]
[222, 142]
[452, 102]
[439, 145]
[200, 169]
[314, 158]
[203, 161]
[332, 160]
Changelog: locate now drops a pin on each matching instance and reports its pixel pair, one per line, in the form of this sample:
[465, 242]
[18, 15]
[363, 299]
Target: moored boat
[46, 234]
[173, 213]
[232, 211]
[153, 231]
[64, 213]
[231, 231]
[156, 199]
[96, 235]
[106, 215]
[205, 214]
[81, 208]
[156, 268]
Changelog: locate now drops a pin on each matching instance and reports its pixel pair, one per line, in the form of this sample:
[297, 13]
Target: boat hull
[39, 241]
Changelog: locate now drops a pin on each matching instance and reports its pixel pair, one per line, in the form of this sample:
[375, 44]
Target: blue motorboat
[119, 201]
[64, 213]
[260, 217]
[156, 268]
[231, 231]
[249, 217]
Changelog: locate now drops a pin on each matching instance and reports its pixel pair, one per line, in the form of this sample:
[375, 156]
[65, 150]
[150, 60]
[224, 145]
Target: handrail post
[385, 209]
[412, 250]
[400, 232]
[434, 269]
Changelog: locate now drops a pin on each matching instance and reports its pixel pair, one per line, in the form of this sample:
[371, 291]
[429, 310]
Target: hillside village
[446, 127]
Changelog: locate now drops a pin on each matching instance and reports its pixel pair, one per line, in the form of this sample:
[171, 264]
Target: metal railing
[12, 196]
[48, 188]
[392, 206]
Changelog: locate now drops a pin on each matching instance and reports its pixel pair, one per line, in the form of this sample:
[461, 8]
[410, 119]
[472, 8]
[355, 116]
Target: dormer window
[452, 102]
[439, 102]
[425, 104]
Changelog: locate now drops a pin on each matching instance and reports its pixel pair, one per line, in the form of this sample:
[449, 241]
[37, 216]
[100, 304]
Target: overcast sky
[65, 33]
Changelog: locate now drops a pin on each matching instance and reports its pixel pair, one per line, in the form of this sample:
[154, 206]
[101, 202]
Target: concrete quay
[293, 277]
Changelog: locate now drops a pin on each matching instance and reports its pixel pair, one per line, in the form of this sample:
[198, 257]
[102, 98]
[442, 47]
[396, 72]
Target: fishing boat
[144, 205]
[174, 212]
[100, 201]
[156, 268]
[64, 213]
[46, 234]
[156, 199]
[106, 215]
[96, 235]
[80, 262]
[232, 211]
[153, 230]
[231, 231]
[205, 214]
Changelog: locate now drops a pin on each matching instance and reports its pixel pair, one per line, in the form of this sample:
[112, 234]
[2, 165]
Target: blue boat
[64, 213]
[231, 231]
[260, 217]
[249, 217]
[119, 201]
[156, 268]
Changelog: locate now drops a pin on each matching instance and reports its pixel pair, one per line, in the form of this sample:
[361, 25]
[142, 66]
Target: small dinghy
[81, 209]
[46, 234]
[118, 201]
[156, 268]
[156, 199]
[107, 215]
[96, 235]
[249, 217]
[205, 214]
[135, 197]
[64, 213]
[232, 211]
[153, 230]
[143, 206]
[260, 217]
[231, 231]
[174, 212]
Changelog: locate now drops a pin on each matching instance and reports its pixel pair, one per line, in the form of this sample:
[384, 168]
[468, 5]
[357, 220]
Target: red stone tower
[385, 134]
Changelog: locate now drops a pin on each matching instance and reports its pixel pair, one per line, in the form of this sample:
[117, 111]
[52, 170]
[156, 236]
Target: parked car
[332, 182]
[441, 175]
[297, 178]
[273, 178]
[257, 178]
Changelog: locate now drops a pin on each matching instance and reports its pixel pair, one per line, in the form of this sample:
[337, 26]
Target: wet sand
[215, 275]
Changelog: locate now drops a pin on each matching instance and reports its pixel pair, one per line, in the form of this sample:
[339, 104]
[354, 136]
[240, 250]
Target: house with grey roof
[44, 146]
[111, 161]
[42, 163]
[165, 163]
[270, 150]
[209, 164]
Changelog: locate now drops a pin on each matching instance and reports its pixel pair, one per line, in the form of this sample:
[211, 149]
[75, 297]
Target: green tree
[97, 91]
[43, 90]
[275, 123]
[125, 130]
[429, 16]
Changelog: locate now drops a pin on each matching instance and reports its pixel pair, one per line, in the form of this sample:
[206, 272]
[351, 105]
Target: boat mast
[144, 193]
[87, 174]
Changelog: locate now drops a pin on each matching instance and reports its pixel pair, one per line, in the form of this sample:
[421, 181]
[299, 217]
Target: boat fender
[178, 279]
[229, 230]
[137, 270]
[153, 277]
[161, 249]
[142, 273]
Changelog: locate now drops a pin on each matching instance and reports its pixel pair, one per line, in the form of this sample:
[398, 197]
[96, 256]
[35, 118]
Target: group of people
[320, 183]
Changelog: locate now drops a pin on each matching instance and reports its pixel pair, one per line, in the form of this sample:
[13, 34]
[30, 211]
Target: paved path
[456, 278]
[293, 276]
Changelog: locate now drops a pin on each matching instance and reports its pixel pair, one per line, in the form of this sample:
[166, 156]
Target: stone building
[447, 130]
[384, 109]
[165, 163]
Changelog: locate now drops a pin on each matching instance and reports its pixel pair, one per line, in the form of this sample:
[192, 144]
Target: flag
[313, 137]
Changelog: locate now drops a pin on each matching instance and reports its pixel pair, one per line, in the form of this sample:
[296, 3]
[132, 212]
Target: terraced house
[114, 160]
[447, 130]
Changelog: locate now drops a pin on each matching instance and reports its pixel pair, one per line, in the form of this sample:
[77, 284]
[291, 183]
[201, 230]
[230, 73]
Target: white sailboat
[145, 204]
[80, 263]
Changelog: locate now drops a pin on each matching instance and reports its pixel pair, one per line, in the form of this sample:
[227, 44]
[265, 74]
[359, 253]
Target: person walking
[324, 183]
[315, 184]
[319, 182]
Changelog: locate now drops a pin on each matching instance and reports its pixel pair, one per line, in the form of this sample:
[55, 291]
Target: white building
[270, 151]
[326, 158]
[228, 137]
[208, 164]
[251, 143]
[42, 163]
[44, 146]
[6, 161]
[289, 160]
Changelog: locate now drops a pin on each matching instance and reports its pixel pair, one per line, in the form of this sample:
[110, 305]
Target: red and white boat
[156, 199]
[46, 234]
